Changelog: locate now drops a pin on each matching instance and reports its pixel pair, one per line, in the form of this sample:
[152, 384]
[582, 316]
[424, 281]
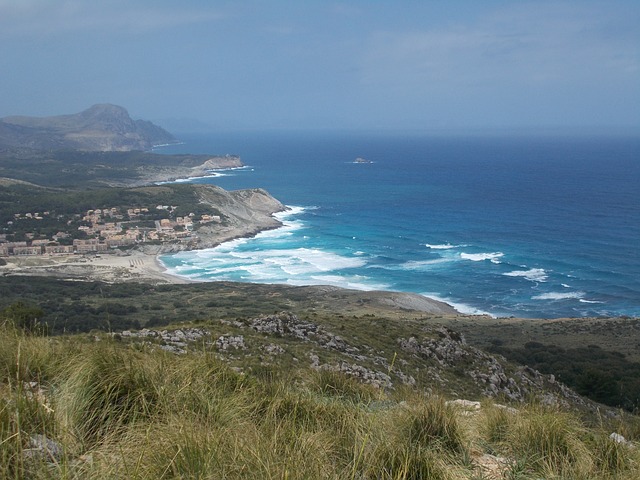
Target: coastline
[248, 213]
[138, 265]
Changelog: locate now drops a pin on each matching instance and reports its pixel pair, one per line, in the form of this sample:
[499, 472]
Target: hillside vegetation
[73, 169]
[365, 320]
[101, 407]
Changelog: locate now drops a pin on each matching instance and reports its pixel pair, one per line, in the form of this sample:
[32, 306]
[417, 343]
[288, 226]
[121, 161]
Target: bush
[25, 317]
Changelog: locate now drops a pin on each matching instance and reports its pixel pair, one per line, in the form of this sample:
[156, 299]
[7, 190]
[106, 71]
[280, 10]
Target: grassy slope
[357, 316]
[121, 410]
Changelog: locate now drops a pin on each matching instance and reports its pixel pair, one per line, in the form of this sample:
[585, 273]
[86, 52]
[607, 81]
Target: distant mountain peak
[101, 127]
[105, 110]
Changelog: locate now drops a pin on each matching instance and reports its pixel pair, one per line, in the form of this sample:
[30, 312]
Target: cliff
[102, 128]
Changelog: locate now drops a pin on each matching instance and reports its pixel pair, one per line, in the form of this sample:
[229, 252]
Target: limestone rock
[227, 342]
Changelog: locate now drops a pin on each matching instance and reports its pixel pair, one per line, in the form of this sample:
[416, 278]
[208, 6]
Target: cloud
[530, 44]
[47, 17]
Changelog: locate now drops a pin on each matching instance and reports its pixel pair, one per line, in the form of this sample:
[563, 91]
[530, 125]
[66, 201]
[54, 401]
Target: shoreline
[136, 265]
[250, 212]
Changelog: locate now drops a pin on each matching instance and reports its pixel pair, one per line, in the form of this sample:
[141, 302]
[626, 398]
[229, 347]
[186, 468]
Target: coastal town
[102, 230]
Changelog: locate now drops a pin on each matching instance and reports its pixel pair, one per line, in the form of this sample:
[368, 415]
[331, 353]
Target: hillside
[380, 325]
[278, 396]
[102, 128]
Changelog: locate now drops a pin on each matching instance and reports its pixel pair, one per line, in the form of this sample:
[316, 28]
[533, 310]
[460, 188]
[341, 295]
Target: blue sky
[275, 64]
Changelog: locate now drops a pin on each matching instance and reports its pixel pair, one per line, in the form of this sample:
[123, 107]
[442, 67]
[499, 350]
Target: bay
[529, 226]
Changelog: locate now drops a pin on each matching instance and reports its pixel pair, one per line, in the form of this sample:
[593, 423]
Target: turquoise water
[532, 227]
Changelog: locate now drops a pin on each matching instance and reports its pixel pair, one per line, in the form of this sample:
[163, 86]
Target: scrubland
[95, 406]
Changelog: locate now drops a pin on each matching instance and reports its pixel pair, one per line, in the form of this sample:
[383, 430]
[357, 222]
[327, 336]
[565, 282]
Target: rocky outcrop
[439, 359]
[227, 342]
[103, 128]
[449, 351]
[173, 341]
[284, 324]
[245, 213]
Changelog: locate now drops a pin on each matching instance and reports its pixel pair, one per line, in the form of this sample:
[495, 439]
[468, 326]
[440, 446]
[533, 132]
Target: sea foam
[533, 274]
[460, 307]
[416, 264]
[479, 257]
[559, 296]
[444, 246]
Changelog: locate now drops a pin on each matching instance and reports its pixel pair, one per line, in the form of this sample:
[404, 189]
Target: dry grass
[119, 413]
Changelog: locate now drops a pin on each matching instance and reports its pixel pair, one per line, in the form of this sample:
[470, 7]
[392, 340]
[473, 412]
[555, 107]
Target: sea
[533, 226]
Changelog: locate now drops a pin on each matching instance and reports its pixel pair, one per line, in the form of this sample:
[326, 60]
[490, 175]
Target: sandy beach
[132, 265]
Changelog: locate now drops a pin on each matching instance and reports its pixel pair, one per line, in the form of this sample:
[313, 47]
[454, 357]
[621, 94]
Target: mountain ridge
[101, 127]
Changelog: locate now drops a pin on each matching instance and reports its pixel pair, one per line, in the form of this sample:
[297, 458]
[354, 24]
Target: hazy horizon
[414, 66]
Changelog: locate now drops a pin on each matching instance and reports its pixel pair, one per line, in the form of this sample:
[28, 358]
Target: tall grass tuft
[21, 415]
[403, 461]
[105, 390]
[552, 443]
[433, 423]
[26, 358]
[421, 439]
[122, 413]
[339, 385]
[614, 459]
[495, 424]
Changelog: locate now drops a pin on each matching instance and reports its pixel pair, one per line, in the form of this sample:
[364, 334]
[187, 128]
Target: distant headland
[100, 128]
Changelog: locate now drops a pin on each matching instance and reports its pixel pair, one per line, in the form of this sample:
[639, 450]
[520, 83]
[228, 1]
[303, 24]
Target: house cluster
[51, 247]
[106, 230]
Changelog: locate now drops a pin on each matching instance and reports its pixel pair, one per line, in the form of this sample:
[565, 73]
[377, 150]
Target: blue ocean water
[506, 225]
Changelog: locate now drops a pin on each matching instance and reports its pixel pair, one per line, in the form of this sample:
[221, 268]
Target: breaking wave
[559, 296]
[444, 246]
[533, 274]
[479, 257]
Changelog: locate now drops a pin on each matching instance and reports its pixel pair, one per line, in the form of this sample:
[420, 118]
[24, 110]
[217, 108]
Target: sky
[352, 65]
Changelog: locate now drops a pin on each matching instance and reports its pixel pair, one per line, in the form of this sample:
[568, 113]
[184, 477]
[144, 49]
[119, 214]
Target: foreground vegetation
[94, 407]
